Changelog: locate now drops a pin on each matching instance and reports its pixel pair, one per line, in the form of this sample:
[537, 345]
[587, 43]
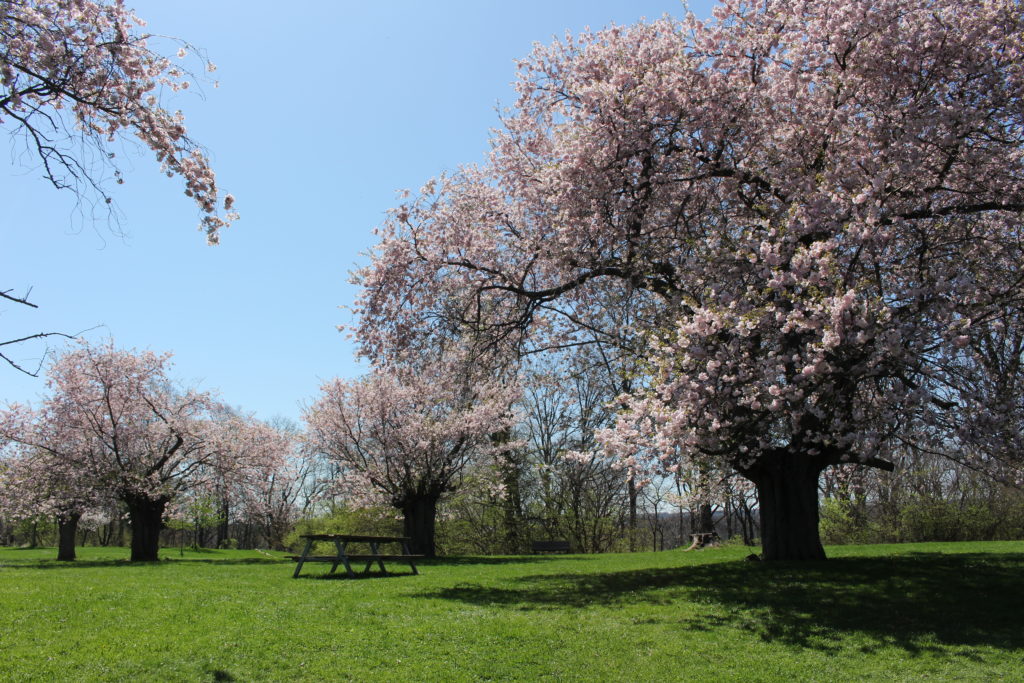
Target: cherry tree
[77, 76]
[34, 483]
[254, 479]
[282, 493]
[144, 439]
[404, 434]
[812, 206]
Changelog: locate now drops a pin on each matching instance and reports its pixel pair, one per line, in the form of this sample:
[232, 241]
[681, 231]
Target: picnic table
[343, 556]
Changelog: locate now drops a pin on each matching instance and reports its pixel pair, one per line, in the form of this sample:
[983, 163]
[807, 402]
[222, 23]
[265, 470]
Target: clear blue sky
[324, 111]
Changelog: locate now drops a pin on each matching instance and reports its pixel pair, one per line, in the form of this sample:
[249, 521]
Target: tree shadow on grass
[463, 560]
[123, 562]
[340, 575]
[916, 602]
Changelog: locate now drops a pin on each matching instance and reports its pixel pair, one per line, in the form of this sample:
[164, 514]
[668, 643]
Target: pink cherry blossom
[806, 204]
[404, 434]
[81, 71]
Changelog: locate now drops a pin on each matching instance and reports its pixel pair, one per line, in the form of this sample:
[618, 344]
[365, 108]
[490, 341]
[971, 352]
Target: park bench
[549, 546]
[343, 557]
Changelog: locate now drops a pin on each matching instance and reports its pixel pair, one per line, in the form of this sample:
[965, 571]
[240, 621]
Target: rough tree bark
[513, 503]
[420, 513]
[787, 490]
[146, 518]
[704, 520]
[67, 527]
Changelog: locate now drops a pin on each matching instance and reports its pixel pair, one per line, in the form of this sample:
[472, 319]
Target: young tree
[578, 492]
[809, 203]
[404, 434]
[261, 485]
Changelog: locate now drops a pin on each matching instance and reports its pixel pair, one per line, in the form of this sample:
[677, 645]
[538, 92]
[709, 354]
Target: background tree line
[548, 482]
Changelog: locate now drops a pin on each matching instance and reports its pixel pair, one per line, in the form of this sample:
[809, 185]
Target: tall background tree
[814, 208]
[404, 435]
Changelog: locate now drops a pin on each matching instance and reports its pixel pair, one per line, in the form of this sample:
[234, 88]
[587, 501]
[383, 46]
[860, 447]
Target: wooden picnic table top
[356, 538]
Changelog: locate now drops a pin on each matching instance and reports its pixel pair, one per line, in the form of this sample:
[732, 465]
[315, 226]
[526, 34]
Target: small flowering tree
[137, 435]
[34, 483]
[404, 434]
[814, 206]
[254, 478]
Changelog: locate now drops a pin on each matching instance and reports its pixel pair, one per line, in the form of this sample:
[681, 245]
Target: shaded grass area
[893, 600]
[939, 611]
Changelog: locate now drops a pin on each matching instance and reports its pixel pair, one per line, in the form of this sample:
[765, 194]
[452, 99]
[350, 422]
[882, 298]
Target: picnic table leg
[343, 558]
[405, 551]
[339, 552]
[380, 562]
[302, 557]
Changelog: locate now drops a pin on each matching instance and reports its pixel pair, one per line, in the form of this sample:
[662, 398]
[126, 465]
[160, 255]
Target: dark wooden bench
[549, 546]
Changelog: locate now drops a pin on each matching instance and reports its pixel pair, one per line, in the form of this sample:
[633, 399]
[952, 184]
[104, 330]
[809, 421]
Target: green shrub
[370, 521]
[840, 523]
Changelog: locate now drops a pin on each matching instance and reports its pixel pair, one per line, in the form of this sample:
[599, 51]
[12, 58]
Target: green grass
[900, 612]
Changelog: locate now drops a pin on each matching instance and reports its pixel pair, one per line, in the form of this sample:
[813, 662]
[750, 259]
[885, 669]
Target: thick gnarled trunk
[67, 527]
[787, 491]
[146, 517]
[704, 521]
[420, 512]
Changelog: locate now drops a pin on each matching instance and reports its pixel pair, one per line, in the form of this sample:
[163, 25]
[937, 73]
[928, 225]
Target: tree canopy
[814, 209]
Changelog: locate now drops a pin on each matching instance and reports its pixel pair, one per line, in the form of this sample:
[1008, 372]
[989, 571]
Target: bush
[840, 523]
[369, 521]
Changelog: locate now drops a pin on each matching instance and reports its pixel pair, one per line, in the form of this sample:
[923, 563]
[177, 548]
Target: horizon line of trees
[544, 482]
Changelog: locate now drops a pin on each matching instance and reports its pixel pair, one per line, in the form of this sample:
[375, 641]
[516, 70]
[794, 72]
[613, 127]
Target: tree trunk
[67, 527]
[513, 514]
[787, 489]
[420, 515]
[728, 513]
[747, 523]
[705, 519]
[223, 527]
[146, 518]
[633, 494]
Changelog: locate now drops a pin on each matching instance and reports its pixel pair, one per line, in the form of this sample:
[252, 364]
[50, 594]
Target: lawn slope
[938, 611]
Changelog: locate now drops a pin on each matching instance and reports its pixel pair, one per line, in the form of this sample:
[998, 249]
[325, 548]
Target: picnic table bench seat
[360, 558]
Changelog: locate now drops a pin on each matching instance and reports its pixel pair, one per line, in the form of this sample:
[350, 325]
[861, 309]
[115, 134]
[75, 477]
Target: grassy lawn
[906, 612]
